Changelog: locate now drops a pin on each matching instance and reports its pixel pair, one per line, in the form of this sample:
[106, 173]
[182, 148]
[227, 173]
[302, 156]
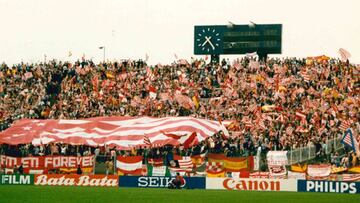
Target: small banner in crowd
[232, 164]
[260, 175]
[218, 164]
[318, 172]
[129, 165]
[277, 158]
[276, 161]
[43, 164]
[158, 170]
[296, 175]
[351, 177]
[215, 165]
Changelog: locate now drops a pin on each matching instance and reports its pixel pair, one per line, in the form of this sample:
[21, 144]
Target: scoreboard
[238, 39]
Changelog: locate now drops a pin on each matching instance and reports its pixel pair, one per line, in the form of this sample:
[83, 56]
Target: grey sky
[132, 28]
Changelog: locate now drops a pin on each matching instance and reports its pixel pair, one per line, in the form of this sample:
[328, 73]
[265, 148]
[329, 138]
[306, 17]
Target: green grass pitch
[52, 194]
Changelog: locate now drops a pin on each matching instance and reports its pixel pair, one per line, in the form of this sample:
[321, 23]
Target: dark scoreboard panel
[239, 39]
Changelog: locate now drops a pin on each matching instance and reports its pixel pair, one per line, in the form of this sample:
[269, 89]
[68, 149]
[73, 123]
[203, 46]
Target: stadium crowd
[280, 104]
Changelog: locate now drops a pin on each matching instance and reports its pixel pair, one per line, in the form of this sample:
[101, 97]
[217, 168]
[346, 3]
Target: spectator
[79, 170]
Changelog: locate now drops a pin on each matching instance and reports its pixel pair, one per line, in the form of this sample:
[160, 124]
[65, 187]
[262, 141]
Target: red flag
[191, 140]
[173, 136]
[152, 92]
[156, 162]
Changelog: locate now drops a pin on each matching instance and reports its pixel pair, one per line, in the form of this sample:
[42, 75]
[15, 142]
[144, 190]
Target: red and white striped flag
[289, 130]
[147, 141]
[185, 164]
[349, 140]
[305, 76]
[345, 55]
[300, 115]
[351, 177]
[345, 124]
[129, 165]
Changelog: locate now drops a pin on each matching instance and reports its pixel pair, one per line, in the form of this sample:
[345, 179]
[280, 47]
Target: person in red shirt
[179, 181]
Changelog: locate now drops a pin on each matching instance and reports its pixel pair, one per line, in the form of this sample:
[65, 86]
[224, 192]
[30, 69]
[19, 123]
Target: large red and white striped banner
[122, 132]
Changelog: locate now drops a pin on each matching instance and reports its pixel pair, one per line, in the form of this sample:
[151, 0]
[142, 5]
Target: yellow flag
[196, 102]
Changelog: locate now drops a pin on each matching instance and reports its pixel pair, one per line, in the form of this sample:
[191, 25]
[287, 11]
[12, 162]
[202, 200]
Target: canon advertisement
[159, 182]
[251, 184]
[328, 186]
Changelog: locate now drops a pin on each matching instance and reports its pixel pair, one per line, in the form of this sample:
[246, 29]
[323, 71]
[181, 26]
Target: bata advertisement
[328, 186]
[77, 180]
[16, 179]
[251, 184]
[159, 182]
[47, 162]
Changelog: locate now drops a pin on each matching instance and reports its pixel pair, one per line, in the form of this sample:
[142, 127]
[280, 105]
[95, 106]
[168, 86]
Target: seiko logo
[232, 184]
[155, 181]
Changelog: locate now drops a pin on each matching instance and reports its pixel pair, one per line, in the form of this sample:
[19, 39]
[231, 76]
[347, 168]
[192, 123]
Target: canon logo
[72, 180]
[232, 184]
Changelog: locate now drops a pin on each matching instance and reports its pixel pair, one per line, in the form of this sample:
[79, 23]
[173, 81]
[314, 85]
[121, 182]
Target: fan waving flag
[349, 140]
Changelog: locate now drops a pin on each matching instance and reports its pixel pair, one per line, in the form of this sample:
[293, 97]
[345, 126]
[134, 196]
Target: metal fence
[309, 152]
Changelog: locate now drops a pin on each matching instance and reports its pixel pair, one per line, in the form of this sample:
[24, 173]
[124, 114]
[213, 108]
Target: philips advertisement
[328, 186]
[159, 182]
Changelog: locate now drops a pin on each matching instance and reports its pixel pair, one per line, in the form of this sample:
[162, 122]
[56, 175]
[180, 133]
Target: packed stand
[282, 104]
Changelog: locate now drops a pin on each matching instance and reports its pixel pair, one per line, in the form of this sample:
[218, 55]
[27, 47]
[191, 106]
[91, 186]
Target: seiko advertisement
[159, 182]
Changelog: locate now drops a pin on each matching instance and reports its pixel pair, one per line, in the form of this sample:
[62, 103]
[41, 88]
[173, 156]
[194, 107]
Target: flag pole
[103, 48]
[104, 54]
